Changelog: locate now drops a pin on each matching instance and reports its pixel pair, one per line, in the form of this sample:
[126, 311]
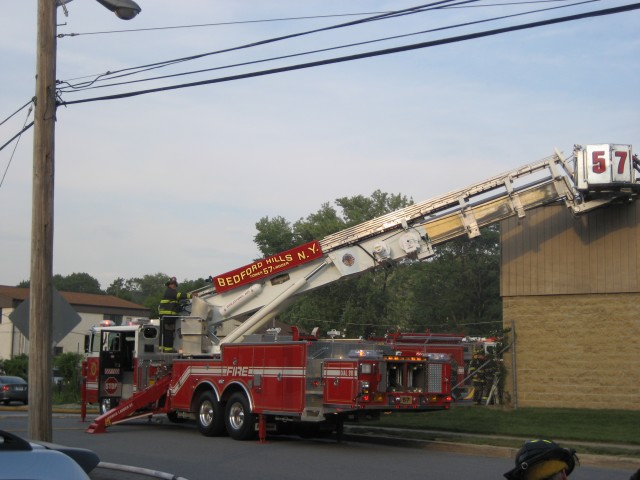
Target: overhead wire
[219, 24]
[270, 20]
[151, 66]
[17, 111]
[486, 33]
[350, 45]
[18, 136]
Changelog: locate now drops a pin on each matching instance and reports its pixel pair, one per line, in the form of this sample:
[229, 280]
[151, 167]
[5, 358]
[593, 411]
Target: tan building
[91, 308]
[571, 293]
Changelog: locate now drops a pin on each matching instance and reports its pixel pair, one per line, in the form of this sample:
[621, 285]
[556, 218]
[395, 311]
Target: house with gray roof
[92, 309]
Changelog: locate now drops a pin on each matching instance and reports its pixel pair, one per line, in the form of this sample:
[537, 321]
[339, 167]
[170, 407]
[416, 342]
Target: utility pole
[41, 285]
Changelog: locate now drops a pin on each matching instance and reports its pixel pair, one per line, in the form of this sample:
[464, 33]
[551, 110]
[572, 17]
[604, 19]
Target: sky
[174, 182]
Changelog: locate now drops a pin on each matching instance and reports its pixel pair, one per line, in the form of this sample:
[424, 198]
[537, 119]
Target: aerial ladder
[593, 177]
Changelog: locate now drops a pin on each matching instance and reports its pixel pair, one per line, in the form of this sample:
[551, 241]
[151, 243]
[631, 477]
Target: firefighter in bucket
[172, 303]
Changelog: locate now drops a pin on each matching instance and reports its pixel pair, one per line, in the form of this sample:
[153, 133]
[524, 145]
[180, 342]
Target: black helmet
[172, 281]
[538, 459]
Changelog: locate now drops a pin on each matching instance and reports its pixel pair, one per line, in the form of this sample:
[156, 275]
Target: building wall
[10, 337]
[571, 292]
[575, 351]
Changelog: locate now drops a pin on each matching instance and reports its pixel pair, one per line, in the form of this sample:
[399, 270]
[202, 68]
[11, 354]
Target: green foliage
[17, 366]
[76, 282]
[148, 290]
[359, 209]
[121, 289]
[277, 234]
[274, 235]
[457, 291]
[69, 364]
[318, 225]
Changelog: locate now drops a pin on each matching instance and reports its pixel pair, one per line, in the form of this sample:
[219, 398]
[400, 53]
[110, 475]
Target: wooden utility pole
[41, 286]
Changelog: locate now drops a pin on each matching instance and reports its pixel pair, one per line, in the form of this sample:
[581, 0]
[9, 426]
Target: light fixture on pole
[41, 278]
[124, 9]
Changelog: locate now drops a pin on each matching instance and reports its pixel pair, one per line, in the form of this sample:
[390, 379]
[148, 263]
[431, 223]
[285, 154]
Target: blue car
[13, 389]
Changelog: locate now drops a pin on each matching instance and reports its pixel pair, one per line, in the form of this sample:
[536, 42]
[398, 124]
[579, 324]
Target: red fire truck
[215, 367]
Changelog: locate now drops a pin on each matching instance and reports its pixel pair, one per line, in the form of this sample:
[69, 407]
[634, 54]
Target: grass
[602, 427]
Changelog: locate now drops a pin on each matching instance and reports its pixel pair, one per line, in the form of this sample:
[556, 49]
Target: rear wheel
[209, 415]
[238, 418]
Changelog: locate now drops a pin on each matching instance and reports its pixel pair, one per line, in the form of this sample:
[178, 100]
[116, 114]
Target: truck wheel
[239, 419]
[209, 415]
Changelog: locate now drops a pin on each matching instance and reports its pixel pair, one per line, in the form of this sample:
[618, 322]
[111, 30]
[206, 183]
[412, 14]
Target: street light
[124, 9]
[41, 285]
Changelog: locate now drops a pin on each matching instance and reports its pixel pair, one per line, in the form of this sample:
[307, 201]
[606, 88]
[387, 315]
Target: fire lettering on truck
[268, 266]
[236, 371]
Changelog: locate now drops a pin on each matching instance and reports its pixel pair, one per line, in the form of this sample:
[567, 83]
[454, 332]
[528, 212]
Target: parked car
[13, 389]
[43, 461]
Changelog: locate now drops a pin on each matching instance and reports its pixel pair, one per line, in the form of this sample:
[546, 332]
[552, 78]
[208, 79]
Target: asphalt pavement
[469, 444]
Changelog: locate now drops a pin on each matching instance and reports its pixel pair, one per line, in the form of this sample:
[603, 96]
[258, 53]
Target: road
[181, 450]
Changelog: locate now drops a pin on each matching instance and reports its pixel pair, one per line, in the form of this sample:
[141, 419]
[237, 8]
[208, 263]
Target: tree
[274, 236]
[148, 290]
[17, 366]
[318, 225]
[359, 209]
[357, 304]
[121, 289]
[75, 282]
[458, 290]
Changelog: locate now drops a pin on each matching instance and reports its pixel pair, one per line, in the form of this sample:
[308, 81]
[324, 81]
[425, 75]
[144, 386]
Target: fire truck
[216, 366]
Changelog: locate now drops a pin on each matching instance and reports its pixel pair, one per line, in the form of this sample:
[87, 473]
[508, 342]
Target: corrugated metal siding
[550, 252]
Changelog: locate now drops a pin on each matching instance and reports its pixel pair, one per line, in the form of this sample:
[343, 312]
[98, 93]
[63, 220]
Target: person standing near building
[479, 378]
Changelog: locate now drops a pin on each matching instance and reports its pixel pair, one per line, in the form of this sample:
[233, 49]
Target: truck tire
[238, 418]
[209, 415]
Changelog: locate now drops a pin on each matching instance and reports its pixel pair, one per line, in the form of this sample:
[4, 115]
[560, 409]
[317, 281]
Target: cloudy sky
[175, 181]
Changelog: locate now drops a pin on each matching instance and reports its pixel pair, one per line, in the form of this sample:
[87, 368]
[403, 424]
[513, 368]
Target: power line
[19, 135]
[395, 37]
[283, 19]
[406, 11]
[360, 56]
[218, 24]
[17, 111]
[8, 142]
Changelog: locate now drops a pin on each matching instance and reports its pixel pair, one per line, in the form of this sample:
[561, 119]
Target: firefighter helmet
[172, 281]
[538, 459]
